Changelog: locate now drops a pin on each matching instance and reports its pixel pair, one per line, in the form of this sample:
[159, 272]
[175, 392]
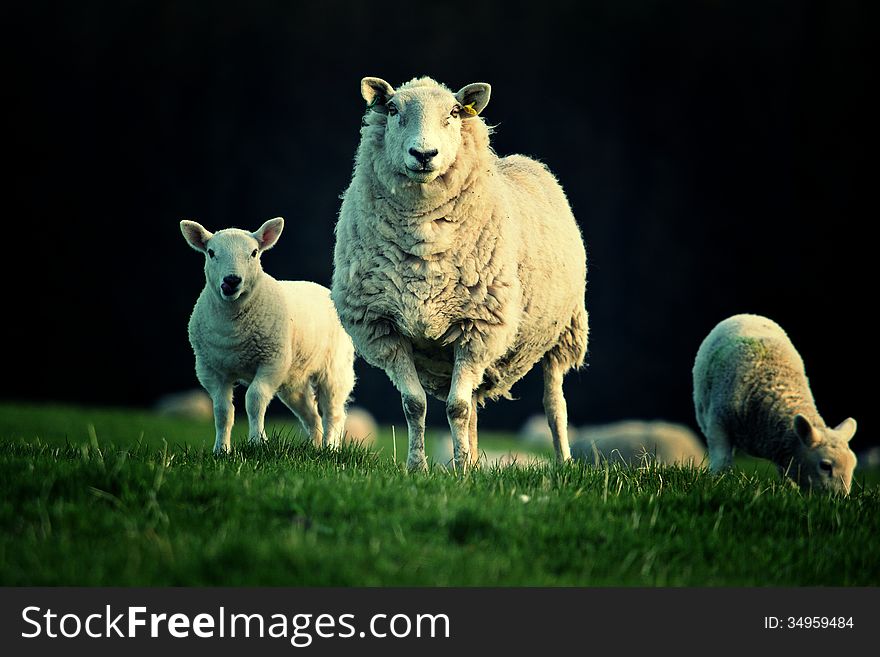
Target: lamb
[455, 270]
[637, 444]
[751, 392]
[278, 337]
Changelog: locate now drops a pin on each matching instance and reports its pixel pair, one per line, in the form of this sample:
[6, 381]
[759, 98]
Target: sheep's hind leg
[332, 406]
[459, 409]
[720, 450]
[259, 394]
[472, 432]
[555, 408]
[403, 374]
[301, 401]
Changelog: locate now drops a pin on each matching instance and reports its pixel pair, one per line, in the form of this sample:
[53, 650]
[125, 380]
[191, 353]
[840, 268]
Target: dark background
[715, 154]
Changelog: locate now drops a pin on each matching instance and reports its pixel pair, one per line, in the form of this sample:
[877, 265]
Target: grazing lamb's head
[826, 462]
[423, 123]
[232, 256]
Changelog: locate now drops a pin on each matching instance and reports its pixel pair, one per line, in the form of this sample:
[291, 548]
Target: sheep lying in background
[637, 444]
[279, 337]
[456, 270]
[536, 431]
[751, 392]
[443, 453]
[360, 427]
[193, 404]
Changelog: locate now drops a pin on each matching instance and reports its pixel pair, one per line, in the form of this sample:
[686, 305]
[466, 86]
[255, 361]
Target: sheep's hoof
[417, 464]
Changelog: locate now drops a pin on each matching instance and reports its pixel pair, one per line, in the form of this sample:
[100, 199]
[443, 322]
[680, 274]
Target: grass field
[109, 497]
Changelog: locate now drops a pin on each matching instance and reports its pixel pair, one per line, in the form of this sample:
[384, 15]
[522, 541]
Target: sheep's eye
[211, 253]
[254, 254]
[392, 109]
[826, 466]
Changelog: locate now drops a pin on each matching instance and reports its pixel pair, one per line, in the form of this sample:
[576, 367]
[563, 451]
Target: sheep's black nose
[232, 281]
[423, 156]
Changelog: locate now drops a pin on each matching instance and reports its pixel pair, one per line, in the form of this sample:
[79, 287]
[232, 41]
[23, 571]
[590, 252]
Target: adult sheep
[455, 270]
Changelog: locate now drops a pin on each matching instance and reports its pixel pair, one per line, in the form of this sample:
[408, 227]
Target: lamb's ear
[847, 428]
[473, 99]
[805, 431]
[196, 235]
[268, 233]
[376, 92]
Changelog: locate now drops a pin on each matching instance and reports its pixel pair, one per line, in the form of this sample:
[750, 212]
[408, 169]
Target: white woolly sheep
[278, 337]
[637, 444]
[751, 392]
[456, 270]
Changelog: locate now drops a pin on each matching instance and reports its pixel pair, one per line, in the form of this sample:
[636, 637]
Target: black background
[715, 154]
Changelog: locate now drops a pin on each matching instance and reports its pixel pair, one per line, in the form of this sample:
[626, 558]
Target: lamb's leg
[555, 408]
[720, 450]
[403, 375]
[224, 412]
[472, 432]
[259, 394]
[302, 402]
[332, 406]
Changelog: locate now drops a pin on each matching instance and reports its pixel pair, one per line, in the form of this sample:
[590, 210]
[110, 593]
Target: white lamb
[278, 337]
[456, 270]
[637, 444]
[751, 392]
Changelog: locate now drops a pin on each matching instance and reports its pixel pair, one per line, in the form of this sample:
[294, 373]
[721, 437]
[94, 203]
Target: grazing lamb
[279, 337]
[638, 444]
[751, 392]
[456, 270]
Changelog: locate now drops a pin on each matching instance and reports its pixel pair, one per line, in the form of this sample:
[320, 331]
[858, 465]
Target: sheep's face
[232, 256]
[424, 123]
[826, 462]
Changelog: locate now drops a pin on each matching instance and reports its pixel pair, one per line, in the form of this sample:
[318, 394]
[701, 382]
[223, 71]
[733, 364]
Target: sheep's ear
[847, 428]
[196, 235]
[376, 92]
[268, 233]
[473, 99]
[805, 431]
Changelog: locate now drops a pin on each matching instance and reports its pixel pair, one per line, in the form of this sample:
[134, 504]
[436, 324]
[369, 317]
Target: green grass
[108, 497]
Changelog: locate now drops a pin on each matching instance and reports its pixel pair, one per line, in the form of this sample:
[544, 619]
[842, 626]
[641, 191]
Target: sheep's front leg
[555, 408]
[259, 394]
[403, 374]
[458, 412]
[224, 412]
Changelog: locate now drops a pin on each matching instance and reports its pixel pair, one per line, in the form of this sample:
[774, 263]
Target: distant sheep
[192, 404]
[638, 444]
[536, 431]
[443, 454]
[751, 393]
[360, 427]
[279, 337]
[456, 270]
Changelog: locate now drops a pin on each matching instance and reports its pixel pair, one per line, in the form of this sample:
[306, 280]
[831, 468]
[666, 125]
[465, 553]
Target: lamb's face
[827, 462]
[424, 124]
[232, 256]
[232, 263]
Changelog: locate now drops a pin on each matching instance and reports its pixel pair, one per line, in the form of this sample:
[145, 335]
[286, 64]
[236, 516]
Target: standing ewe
[637, 444]
[751, 392]
[456, 270]
[279, 337]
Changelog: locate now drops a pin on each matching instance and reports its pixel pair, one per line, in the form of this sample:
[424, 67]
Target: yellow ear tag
[469, 109]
